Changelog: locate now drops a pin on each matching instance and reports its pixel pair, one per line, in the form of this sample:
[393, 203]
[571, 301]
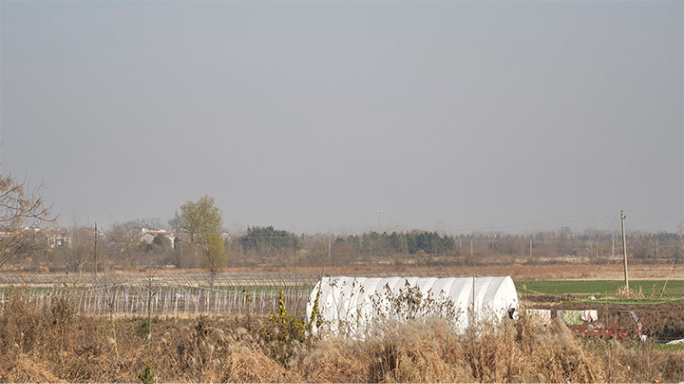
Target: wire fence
[191, 279]
[163, 300]
[163, 295]
[166, 293]
[222, 279]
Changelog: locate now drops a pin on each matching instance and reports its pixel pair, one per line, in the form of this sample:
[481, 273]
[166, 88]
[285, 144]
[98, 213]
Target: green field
[599, 288]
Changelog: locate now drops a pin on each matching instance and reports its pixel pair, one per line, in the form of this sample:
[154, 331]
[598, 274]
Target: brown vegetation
[516, 271]
[60, 346]
[664, 321]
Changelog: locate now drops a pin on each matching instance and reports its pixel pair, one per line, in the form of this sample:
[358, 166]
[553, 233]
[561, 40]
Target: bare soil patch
[516, 271]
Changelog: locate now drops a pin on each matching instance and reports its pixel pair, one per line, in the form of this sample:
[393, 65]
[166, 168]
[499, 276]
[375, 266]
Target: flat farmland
[281, 276]
[568, 271]
[600, 288]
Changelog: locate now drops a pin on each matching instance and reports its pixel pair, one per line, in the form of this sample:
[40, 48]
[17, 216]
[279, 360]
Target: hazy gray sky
[312, 116]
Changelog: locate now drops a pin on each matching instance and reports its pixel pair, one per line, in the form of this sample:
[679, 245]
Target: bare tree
[82, 248]
[21, 210]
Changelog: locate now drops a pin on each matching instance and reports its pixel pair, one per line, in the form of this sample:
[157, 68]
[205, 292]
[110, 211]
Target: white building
[149, 235]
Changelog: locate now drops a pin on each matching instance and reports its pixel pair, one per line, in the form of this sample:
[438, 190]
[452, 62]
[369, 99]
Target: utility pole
[530, 245]
[473, 310]
[379, 216]
[95, 250]
[624, 248]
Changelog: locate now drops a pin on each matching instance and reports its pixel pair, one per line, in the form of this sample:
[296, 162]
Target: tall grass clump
[626, 293]
[428, 350]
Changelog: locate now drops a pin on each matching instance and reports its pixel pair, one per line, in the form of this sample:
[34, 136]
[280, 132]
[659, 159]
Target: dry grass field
[59, 346]
[519, 272]
[570, 271]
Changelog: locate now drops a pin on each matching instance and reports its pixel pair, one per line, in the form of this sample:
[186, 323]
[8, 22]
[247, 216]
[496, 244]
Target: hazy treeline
[424, 247]
[119, 248]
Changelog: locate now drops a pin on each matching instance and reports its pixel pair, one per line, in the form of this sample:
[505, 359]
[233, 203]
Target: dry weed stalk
[625, 293]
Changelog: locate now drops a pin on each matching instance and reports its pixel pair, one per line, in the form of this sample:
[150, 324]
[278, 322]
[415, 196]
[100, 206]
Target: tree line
[195, 238]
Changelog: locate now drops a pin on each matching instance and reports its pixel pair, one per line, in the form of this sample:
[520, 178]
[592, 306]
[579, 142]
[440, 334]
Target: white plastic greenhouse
[353, 302]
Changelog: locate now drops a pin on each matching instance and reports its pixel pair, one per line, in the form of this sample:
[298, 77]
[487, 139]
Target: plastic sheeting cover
[355, 301]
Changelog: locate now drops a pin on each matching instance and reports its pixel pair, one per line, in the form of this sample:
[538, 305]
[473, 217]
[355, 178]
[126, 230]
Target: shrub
[147, 375]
